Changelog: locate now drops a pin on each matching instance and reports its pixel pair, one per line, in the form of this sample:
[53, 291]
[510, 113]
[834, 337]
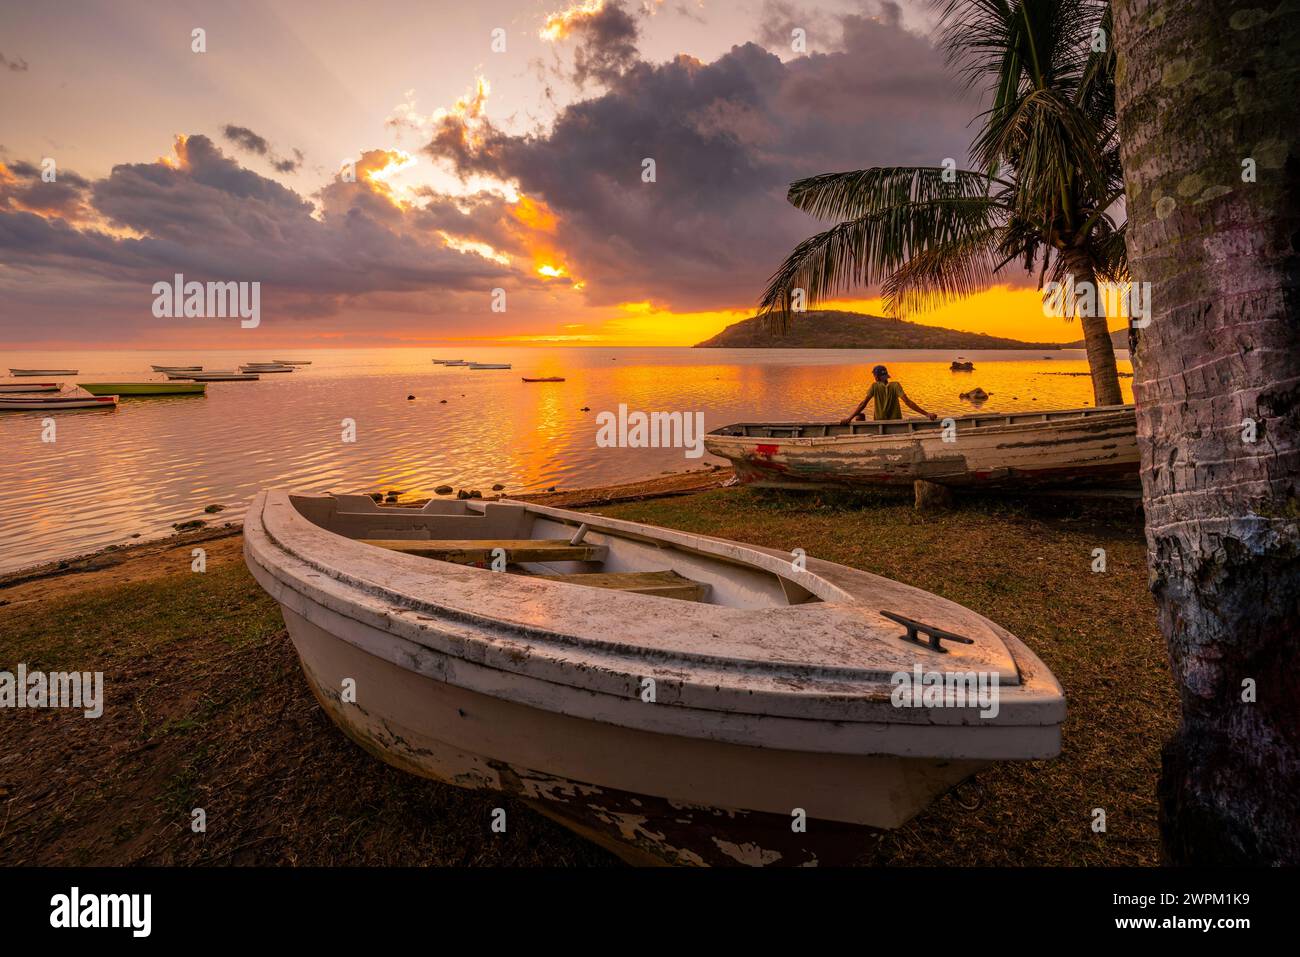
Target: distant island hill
[836, 329]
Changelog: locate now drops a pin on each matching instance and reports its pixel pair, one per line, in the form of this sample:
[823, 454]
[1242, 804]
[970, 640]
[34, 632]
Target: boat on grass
[30, 403]
[143, 388]
[7, 387]
[177, 368]
[1067, 447]
[489, 365]
[553, 378]
[672, 696]
[32, 372]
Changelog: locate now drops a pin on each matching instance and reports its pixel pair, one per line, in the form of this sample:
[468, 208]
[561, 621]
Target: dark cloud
[250, 142]
[246, 139]
[16, 65]
[23, 187]
[727, 137]
[605, 43]
[204, 215]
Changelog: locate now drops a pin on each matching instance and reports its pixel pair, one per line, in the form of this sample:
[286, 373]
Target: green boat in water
[144, 388]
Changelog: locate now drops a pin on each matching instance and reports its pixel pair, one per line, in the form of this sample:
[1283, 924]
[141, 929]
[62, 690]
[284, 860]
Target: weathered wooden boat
[448, 362]
[31, 372]
[177, 368]
[553, 378]
[144, 388]
[31, 403]
[221, 376]
[1067, 447]
[674, 697]
[6, 387]
[489, 365]
[293, 362]
[260, 367]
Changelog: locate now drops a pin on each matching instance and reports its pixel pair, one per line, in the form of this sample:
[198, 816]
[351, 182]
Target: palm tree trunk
[1201, 88]
[1096, 335]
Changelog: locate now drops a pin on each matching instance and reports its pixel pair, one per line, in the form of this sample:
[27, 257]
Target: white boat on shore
[1067, 447]
[34, 372]
[671, 696]
[8, 387]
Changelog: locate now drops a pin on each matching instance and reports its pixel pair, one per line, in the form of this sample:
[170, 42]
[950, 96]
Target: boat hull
[520, 685]
[682, 801]
[143, 388]
[1098, 447]
[42, 404]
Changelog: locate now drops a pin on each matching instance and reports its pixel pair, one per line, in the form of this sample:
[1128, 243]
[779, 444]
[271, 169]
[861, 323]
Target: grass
[206, 706]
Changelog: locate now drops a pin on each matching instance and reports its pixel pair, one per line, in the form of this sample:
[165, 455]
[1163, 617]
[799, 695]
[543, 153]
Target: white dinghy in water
[671, 696]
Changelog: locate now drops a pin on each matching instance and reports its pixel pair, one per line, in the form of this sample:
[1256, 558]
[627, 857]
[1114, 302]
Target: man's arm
[914, 407]
[856, 412]
[861, 405]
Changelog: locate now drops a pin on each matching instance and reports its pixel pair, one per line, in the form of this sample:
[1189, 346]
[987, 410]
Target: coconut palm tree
[1041, 195]
[1206, 103]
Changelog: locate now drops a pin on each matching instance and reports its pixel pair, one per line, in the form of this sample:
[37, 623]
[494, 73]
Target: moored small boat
[143, 388]
[29, 372]
[215, 376]
[177, 368]
[553, 378]
[489, 365]
[1066, 447]
[448, 362]
[29, 403]
[6, 387]
[674, 697]
[293, 362]
[263, 367]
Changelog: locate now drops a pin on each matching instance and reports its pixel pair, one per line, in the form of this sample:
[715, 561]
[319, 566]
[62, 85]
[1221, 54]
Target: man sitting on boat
[887, 396]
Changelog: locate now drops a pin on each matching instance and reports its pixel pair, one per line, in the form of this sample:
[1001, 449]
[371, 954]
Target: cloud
[16, 65]
[727, 138]
[248, 141]
[605, 34]
[200, 213]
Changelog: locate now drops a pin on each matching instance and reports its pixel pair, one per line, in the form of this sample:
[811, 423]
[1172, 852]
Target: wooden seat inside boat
[664, 584]
[473, 551]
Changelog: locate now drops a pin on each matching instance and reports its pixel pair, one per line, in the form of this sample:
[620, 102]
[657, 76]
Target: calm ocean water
[152, 462]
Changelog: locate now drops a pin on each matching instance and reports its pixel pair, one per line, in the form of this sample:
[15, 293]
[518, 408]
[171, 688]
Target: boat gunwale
[922, 429]
[504, 647]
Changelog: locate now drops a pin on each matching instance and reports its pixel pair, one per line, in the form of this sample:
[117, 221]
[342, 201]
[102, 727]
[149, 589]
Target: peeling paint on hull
[1096, 446]
[639, 826]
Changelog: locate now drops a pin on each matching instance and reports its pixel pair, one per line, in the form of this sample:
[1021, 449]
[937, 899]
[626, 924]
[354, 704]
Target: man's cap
[879, 371]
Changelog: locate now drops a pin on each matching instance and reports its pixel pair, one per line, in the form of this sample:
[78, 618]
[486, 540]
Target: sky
[406, 172]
